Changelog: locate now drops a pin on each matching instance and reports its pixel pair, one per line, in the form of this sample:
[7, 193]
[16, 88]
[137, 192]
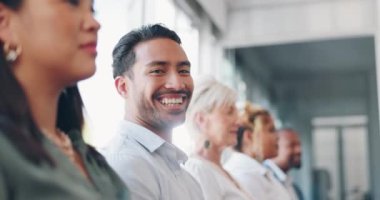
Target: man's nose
[174, 81]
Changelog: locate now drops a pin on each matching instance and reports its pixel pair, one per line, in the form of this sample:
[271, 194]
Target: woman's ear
[248, 136]
[5, 24]
[121, 84]
[201, 120]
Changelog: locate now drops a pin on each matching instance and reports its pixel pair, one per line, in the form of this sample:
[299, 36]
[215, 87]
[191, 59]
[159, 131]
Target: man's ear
[5, 25]
[121, 85]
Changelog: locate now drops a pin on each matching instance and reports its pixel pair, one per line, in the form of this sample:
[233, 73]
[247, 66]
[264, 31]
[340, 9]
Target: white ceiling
[238, 4]
[341, 55]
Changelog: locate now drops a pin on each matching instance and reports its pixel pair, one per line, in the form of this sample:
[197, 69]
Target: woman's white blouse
[214, 183]
[255, 178]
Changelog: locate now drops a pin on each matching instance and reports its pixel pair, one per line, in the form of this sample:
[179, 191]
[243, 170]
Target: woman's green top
[22, 179]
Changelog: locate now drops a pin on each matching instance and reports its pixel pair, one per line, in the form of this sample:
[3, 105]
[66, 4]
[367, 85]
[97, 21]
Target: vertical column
[373, 111]
[303, 125]
[341, 167]
[373, 122]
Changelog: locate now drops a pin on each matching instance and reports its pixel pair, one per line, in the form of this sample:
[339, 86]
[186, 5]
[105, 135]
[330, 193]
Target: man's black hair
[123, 54]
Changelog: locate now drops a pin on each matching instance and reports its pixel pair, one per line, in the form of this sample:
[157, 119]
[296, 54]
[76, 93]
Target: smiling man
[152, 74]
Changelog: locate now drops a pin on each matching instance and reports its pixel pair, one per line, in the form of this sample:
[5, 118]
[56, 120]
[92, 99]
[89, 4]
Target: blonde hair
[253, 117]
[208, 95]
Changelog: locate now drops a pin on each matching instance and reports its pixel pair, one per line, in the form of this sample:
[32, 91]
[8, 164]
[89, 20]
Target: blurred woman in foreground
[46, 48]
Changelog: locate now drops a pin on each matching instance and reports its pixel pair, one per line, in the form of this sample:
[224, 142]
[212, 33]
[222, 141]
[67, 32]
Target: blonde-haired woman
[212, 119]
[256, 142]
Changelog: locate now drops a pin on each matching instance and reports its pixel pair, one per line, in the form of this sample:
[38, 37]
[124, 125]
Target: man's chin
[173, 121]
[297, 166]
[177, 122]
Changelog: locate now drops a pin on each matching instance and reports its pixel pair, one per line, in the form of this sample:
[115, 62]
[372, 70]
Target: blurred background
[312, 63]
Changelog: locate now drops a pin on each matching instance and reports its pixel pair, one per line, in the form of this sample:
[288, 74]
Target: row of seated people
[159, 94]
[47, 48]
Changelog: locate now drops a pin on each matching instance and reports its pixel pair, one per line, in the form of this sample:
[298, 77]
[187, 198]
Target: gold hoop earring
[12, 52]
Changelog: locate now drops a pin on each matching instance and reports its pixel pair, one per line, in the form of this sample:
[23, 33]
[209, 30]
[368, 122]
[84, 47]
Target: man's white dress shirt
[255, 178]
[150, 166]
[283, 178]
[214, 182]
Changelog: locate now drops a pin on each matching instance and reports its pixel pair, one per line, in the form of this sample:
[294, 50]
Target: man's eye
[184, 71]
[73, 2]
[157, 71]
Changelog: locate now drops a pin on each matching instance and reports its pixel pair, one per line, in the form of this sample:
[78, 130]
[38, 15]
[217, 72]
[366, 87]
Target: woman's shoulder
[195, 162]
[9, 154]
[8, 130]
[103, 174]
[200, 167]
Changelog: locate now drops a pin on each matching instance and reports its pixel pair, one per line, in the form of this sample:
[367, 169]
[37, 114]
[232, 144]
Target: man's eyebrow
[157, 63]
[165, 63]
[184, 63]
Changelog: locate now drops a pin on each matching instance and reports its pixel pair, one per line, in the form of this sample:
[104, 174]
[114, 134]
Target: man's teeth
[170, 101]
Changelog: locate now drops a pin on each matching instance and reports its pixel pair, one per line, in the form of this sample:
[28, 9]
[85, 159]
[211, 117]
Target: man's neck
[165, 134]
[281, 166]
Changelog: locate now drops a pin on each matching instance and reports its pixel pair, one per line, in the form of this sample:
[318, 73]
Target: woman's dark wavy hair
[16, 121]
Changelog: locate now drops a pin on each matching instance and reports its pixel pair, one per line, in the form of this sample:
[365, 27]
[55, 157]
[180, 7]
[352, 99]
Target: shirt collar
[151, 141]
[279, 174]
[173, 153]
[140, 134]
[249, 163]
